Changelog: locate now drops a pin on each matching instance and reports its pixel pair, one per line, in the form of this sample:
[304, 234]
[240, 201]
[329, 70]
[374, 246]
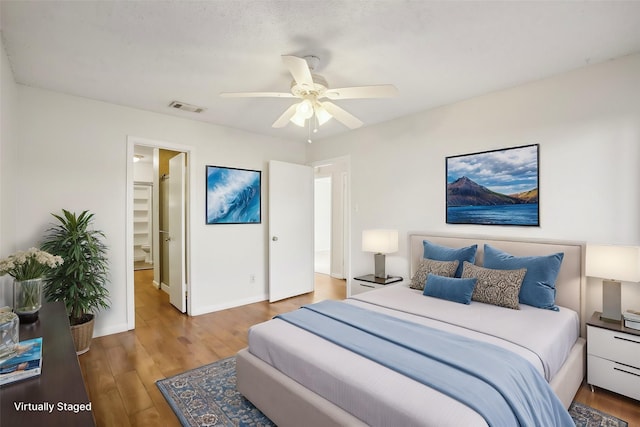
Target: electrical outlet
[252, 278]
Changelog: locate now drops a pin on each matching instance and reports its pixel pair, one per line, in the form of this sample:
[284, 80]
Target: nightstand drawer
[615, 346]
[358, 287]
[369, 282]
[613, 376]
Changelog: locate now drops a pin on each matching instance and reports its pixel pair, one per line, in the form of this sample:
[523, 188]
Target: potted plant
[81, 280]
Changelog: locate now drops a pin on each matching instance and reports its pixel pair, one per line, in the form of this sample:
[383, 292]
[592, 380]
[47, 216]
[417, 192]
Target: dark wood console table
[60, 385]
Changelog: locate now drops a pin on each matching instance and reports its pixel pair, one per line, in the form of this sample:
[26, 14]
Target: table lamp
[380, 242]
[613, 264]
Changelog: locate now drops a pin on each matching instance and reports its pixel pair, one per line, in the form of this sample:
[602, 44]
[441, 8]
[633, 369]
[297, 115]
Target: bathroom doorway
[331, 222]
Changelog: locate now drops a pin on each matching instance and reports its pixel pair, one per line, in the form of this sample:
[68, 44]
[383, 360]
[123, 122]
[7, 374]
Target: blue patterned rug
[207, 396]
[586, 416]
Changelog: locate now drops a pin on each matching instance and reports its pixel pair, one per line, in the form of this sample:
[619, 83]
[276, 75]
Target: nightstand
[370, 282]
[613, 357]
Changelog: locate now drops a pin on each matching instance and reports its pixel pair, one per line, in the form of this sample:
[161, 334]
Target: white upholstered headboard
[570, 285]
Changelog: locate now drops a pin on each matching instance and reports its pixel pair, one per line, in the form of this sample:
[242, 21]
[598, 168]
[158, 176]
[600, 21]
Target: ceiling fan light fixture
[322, 115]
[305, 109]
[298, 120]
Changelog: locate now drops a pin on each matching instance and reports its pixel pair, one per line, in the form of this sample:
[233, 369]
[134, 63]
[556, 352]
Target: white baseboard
[112, 329]
[212, 308]
[155, 284]
[164, 287]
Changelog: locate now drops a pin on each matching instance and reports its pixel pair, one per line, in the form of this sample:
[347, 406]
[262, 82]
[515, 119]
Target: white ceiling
[145, 54]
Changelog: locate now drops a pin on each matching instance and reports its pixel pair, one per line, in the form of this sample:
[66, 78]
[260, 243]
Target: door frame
[132, 141]
[346, 208]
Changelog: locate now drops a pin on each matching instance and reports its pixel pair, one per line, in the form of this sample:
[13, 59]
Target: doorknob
[274, 238]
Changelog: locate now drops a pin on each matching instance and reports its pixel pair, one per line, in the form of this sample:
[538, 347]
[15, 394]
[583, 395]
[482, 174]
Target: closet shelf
[141, 218]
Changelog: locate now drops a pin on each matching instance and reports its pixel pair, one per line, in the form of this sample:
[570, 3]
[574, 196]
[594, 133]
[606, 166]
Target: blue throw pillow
[444, 253]
[539, 284]
[450, 288]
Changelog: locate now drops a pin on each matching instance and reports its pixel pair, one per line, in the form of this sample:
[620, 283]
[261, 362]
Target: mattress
[382, 397]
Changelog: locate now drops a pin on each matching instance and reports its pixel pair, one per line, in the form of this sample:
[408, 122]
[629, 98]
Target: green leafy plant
[81, 280]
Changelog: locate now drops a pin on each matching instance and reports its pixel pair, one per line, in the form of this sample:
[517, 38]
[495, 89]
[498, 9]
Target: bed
[298, 378]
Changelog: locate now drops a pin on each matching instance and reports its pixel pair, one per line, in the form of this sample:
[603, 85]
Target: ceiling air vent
[187, 107]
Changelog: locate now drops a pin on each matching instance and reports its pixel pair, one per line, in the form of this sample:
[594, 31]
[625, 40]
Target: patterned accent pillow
[439, 268]
[445, 253]
[497, 287]
[539, 286]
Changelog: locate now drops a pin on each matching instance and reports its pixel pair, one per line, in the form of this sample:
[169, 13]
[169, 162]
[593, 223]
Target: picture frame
[233, 195]
[496, 187]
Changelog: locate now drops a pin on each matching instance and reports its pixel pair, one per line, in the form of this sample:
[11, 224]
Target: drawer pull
[366, 286]
[625, 371]
[627, 339]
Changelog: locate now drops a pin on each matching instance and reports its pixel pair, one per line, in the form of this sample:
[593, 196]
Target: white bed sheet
[380, 396]
[550, 335]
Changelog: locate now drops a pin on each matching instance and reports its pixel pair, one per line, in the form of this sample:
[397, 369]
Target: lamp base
[379, 266]
[611, 302]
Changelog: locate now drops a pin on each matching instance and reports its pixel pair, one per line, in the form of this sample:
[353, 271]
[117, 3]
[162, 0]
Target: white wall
[72, 154]
[8, 155]
[587, 123]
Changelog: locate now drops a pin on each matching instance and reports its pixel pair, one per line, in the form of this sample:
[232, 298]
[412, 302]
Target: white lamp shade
[298, 120]
[305, 109]
[322, 114]
[620, 263]
[380, 241]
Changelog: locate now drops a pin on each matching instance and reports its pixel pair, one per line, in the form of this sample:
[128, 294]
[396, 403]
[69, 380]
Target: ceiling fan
[312, 90]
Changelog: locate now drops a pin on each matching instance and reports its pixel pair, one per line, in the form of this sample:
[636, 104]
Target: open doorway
[331, 223]
[322, 224]
[157, 221]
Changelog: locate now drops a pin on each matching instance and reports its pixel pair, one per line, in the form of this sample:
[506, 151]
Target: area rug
[207, 396]
[586, 416]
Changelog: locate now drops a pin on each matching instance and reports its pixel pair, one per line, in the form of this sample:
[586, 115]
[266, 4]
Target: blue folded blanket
[501, 386]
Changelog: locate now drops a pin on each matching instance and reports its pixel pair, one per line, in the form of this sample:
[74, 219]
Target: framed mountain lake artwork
[498, 187]
[233, 195]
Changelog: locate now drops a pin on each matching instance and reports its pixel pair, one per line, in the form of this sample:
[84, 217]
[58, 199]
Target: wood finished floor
[120, 370]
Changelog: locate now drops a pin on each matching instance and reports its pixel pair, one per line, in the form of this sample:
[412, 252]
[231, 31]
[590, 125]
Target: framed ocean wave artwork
[233, 195]
[498, 187]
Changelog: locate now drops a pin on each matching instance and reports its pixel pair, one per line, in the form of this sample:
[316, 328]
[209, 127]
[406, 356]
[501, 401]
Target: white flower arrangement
[30, 264]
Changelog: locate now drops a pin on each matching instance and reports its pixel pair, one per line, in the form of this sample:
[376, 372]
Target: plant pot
[82, 335]
[27, 299]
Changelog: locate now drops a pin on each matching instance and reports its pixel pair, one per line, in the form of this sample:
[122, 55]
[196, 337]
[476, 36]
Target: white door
[290, 230]
[176, 238]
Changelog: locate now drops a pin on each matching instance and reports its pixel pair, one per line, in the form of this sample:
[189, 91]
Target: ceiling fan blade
[376, 91]
[256, 95]
[299, 69]
[347, 119]
[284, 118]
